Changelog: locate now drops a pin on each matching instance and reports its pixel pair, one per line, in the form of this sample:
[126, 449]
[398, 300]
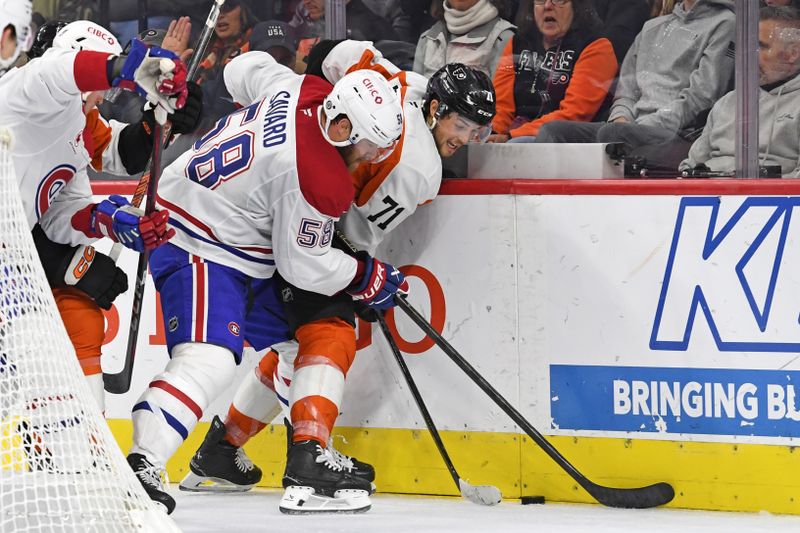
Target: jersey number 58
[315, 233]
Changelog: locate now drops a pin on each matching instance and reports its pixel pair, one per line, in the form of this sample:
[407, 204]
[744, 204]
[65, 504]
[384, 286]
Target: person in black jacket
[622, 22]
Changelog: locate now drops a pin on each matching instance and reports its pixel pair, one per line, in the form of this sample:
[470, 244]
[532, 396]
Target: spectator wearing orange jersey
[557, 68]
[230, 39]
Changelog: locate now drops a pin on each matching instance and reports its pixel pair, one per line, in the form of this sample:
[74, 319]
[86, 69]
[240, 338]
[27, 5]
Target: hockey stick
[480, 494]
[635, 498]
[205, 38]
[120, 382]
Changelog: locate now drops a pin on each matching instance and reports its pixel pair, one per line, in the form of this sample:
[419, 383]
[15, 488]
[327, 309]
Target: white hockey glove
[153, 72]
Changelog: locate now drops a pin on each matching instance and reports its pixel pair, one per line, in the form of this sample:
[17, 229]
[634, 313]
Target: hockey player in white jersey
[42, 108]
[454, 107]
[259, 192]
[113, 147]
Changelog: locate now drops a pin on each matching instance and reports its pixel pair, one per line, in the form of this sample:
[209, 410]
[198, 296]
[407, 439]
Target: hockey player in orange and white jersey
[456, 106]
[84, 281]
[260, 192]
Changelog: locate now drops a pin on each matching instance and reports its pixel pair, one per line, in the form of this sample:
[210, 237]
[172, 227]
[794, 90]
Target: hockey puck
[530, 500]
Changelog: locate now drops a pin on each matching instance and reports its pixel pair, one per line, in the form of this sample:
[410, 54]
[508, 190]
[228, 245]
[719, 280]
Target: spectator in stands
[778, 3]
[778, 105]
[661, 8]
[124, 16]
[423, 15]
[558, 68]
[622, 22]
[392, 10]
[277, 39]
[230, 39]
[471, 32]
[308, 23]
[679, 65]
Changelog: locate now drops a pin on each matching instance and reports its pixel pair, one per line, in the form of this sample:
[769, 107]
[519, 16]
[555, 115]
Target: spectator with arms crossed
[679, 65]
[778, 104]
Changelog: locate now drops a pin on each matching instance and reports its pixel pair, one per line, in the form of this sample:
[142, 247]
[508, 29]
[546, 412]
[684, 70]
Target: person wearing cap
[277, 39]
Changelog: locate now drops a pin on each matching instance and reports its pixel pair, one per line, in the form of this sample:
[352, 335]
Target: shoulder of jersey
[324, 180]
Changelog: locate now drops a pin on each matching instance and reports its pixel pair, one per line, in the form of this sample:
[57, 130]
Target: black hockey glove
[186, 119]
[81, 267]
[96, 275]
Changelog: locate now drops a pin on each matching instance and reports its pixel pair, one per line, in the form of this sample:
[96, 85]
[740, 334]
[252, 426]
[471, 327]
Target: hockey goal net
[60, 467]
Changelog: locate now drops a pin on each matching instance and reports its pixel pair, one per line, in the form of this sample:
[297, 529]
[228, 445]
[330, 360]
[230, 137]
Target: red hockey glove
[117, 219]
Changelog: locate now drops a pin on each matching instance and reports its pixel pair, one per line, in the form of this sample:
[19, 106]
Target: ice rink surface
[257, 511]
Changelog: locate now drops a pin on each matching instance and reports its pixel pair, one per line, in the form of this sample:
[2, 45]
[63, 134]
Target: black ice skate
[351, 464]
[358, 468]
[315, 482]
[219, 466]
[150, 477]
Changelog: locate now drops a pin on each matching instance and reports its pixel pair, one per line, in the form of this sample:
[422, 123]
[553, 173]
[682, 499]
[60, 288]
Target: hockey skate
[351, 464]
[315, 482]
[149, 476]
[219, 466]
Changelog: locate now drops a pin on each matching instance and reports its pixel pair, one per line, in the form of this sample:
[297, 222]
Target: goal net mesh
[60, 467]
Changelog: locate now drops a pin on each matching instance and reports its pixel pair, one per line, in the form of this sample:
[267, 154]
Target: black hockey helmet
[44, 38]
[463, 90]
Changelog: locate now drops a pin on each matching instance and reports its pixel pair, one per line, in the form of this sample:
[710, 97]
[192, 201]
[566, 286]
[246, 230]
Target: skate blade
[303, 500]
[194, 483]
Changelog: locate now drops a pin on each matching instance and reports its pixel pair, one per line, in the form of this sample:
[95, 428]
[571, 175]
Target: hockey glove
[186, 119]
[96, 275]
[153, 72]
[117, 219]
[378, 284]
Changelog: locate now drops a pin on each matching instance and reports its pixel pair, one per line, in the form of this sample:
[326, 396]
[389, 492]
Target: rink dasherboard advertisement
[650, 330]
[730, 277]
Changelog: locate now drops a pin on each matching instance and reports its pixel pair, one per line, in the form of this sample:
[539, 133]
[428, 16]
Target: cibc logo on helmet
[102, 35]
[372, 90]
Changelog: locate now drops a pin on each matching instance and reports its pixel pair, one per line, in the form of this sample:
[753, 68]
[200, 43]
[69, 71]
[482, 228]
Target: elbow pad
[136, 143]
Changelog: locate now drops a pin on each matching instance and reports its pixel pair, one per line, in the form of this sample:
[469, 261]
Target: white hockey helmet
[372, 105]
[86, 35]
[16, 13]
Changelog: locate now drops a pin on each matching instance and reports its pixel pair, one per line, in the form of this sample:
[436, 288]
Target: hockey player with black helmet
[454, 107]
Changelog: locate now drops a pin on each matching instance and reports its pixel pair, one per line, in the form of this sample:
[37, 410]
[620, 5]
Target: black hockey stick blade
[480, 494]
[629, 498]
[120, 383]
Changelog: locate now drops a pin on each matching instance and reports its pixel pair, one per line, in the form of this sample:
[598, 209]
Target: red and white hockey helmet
[86, 35]
[372, 105]
[16, 13]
